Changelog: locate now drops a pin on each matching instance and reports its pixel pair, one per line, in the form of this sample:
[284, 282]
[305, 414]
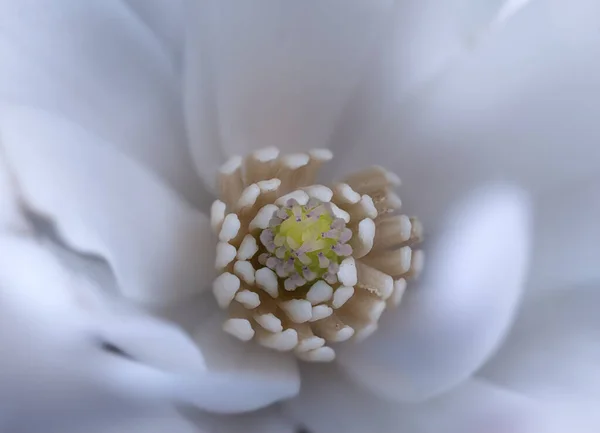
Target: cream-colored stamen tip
[304, 265]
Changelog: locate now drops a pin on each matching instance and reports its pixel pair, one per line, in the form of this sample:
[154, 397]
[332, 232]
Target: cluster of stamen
[301, 264]
[305, 243]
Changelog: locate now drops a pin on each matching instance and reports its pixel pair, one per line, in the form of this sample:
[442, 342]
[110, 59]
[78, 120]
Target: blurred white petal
[52, 367]
[11, 216]
[567, 233]
[446, 328]
[155, 420]
[329, 403]
[552, 351]
[105, 203]
[103, 67]
[166, 18]
[429, 35]
[275, 74]
[269, 420]
[516, 106]
[250, 376]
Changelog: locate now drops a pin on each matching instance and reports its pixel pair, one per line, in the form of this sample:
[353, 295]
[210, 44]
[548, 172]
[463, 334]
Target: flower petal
[166, 19]
[11, 216]
[447, 328]
[53, 365]
[268, 420]
[275, 74]
[247, 376]
[567, 247]
[101, 66]
[515, 106]
[330, 403]
[153, 420]
[429, 35]
[552, 351]
[104, 203]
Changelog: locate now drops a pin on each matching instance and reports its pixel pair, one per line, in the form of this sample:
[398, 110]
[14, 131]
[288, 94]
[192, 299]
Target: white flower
[114, 119]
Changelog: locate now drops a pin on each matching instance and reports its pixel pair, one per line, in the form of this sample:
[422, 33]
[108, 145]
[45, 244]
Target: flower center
[305, 243]
[303, 265]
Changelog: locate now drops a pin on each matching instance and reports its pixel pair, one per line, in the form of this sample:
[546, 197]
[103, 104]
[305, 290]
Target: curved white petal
[11, 216]
[552, 351]
[166, 19]
[329, 403]
[102, 66]
[247, 376]
[152, 420]
[275, 74]
[447, 327]
[103, 202]
[268, 420]
[429, 35]
[567, 233]
[517, 105]
[54, 368]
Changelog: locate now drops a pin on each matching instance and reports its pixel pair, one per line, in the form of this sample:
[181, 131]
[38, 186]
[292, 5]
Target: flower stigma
[303, 266]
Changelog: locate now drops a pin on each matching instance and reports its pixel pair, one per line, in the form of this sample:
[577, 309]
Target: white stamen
[295, 160]
[339, 213]
[347, 272]
[225, 287]
[393, 201]
[217, 215]
[281, 341]
[319, 192]
[399, 288]
[230, 228]
[231, 165]
[267, 186]
[392, 231]
[365, 332]
[319, 292]
[248, 197]
[239, 328]
[405, 226]
[362, 243]
[418, 261]
[343, 334]
[321, 155]
[298, 310]
[322, 354]
[248, 248]
[392, 178]
[267, 280]
[225, 255]
[376, 310]
[341, 295]
[405, 258]
[266, 154]
[245, 271]
[269, 321]
[376, 281]
[310, 343]
[248, 299]
[262, 218]
[300, 196]
[344, 194]
[368, 207]
[320, 312]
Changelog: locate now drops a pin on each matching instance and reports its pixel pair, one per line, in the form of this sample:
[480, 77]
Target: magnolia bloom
[117, 120]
